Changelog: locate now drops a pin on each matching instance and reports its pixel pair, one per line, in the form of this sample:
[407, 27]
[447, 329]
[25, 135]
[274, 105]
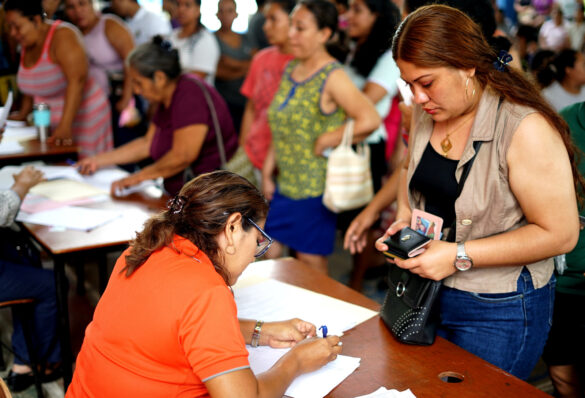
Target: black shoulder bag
[410, 309]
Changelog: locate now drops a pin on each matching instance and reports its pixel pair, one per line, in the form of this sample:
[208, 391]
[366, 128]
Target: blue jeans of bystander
[508, 330]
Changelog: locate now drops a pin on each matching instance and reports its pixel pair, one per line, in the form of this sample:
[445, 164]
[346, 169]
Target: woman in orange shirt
[167, 325]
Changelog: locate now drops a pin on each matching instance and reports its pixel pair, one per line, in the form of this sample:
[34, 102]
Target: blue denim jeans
[23, 281]
[508, 330]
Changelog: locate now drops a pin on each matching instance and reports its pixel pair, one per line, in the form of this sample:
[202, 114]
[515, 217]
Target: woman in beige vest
[517, 208]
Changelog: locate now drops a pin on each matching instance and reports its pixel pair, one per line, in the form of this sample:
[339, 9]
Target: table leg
[63, 310]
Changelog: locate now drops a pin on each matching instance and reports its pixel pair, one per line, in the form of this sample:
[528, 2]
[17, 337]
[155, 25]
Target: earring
[232, 250]
[466, 87]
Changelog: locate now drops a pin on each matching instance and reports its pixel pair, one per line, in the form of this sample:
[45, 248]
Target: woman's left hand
[118, 186]
[436, 262]
[286, 333]
[61, 136]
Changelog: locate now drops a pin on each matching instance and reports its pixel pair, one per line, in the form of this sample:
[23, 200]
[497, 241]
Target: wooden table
[35, 150]
[386, 362]
[68, 245]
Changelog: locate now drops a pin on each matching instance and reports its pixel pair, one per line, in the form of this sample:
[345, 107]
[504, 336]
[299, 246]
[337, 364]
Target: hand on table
[61, 136]
[88, 165]
[286, 333]
[26, 179]
[126, 182]
[312, 354]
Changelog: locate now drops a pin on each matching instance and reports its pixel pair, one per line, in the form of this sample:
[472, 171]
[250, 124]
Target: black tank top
[435, 179]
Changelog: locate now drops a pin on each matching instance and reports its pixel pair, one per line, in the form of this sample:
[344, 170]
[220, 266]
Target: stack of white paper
[10, 147]
[316, 384]
[271, 300]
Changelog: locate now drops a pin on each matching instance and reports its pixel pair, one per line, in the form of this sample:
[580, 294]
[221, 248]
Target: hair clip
[502, 60]
[162, 43]
[176, 204]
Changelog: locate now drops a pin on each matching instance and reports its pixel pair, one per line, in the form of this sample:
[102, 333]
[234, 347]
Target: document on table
[50, 173]
[9, 147]
[271, 300]
[316, 384]
[16, 134]
[64, 190]
[383, 392]
[71, 217]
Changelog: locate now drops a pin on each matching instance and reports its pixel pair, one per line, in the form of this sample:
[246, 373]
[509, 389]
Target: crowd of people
[498, 82]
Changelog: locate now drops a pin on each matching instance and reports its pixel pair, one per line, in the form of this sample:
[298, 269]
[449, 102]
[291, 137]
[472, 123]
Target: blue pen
[324, 330]
[70, 162]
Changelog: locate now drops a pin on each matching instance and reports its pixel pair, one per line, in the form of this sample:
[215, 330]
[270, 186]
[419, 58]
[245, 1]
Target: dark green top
[572, 281]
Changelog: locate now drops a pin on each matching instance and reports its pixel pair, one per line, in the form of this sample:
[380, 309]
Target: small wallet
[406, 243]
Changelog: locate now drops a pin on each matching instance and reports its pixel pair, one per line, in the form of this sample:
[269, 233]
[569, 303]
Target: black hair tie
[176, 204]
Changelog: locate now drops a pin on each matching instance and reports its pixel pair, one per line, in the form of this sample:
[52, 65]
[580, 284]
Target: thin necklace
[446, 144]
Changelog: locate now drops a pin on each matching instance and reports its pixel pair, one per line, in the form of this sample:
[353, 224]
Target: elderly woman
[517, 208]
[181, 134]
[54, 69]
[167, 323]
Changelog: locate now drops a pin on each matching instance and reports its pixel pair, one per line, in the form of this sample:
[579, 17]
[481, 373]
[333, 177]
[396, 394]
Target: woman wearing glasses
[166, 326]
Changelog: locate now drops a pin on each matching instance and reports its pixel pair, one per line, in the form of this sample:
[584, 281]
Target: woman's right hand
[395, 227]
[268, 188]
[87, 166]
[356, 235]
[312, 354]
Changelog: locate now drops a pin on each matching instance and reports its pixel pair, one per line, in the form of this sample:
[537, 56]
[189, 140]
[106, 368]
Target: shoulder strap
[216, 126]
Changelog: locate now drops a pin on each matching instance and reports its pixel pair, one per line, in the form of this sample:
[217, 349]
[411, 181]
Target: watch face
[463, 264]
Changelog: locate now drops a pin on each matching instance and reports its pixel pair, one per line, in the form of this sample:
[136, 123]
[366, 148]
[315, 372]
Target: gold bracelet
[256, 334]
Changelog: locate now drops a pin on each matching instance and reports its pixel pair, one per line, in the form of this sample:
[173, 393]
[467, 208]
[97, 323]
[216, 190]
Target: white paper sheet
[10, 147]
[383, 392]
[50, 173]
[63, 190]
[316, 384]
[71, 217]
[271, 300]
[5, 110]
[17, 134]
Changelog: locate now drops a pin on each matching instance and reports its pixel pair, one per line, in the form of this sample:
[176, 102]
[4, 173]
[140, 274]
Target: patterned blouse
[296, 121]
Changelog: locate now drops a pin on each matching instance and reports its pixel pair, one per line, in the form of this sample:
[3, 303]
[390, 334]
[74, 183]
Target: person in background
[518, 206]
[52, 52]
[255, 33]
[170, 7]
[181, 136]
[369, 65]
[306, 117]
[179, 270]
[564, 352]
[143, 24]
[576, 29]
[19, 280]
[107, 41]
[553, 34]
[563, 78]
[262, 82]
[54, 9]
[198, 48]
[234, 61]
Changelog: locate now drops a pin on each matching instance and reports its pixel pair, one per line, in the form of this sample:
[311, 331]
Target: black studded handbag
[410, 308]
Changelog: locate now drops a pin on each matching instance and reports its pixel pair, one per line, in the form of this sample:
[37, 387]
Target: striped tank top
[46, 82]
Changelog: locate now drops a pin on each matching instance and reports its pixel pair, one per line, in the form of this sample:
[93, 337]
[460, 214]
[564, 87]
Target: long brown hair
[441, 36]
[199, 213]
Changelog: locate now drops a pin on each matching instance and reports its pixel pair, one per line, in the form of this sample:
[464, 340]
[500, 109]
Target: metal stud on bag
[400, 289]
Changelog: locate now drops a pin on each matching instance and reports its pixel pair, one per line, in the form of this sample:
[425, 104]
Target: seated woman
[167, 323]
[181, 133]
[108, 42]
[20, 280]
[198, 48]
[54, 69]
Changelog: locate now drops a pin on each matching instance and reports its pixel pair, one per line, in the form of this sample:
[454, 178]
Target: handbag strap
[215, 120]
[347, 134]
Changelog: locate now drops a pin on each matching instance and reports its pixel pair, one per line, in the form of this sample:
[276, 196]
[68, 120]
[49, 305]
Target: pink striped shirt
[46, 82]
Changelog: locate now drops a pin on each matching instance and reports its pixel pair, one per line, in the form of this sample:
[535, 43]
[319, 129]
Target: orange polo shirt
[161, 332]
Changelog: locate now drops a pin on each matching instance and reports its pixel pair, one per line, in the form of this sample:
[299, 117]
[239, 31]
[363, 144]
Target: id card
[427, 224]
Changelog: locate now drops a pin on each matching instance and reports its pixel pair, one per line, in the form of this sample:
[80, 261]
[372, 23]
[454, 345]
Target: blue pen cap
[42, 115]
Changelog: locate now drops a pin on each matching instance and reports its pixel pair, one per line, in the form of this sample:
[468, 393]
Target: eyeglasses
[264, 244]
